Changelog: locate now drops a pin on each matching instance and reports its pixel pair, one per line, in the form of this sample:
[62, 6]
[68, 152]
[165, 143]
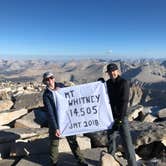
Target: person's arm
[51, 117]
[124, 98]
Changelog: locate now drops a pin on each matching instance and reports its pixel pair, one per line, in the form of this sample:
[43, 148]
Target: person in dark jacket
[54, 132]
[118, 92]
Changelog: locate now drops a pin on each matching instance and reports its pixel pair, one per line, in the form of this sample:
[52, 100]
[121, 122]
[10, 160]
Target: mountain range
[151, 73]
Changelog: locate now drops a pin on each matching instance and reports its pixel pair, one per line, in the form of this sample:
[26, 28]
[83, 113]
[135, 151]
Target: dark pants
[54, 143]
[124, 132]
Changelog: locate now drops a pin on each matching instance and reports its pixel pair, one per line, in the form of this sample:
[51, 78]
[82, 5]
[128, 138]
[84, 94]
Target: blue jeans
[125, 136]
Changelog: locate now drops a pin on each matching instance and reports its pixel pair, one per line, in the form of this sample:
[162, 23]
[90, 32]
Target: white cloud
[109, 51]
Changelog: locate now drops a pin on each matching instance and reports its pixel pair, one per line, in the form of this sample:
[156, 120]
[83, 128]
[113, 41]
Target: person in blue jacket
[54, 132]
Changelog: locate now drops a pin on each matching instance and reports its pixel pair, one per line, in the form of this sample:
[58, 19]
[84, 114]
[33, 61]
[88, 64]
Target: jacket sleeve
[51, 116]
[124, 98]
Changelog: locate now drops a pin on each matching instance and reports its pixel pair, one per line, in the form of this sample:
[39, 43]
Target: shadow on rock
[7, 139]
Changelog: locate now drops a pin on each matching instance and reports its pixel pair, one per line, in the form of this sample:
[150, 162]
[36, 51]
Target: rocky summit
[24, 135]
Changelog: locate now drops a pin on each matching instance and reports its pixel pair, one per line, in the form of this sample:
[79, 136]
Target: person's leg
[53, 153]
[127, 143]
[111, 142]
[76, 150]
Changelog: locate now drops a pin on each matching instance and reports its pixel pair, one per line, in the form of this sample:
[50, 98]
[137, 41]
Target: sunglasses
[47, 79]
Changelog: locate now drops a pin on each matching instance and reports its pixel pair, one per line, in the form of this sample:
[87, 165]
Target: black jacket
[118, 92]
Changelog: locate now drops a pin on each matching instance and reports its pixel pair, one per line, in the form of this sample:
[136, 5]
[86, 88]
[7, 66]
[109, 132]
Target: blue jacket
[49, 104]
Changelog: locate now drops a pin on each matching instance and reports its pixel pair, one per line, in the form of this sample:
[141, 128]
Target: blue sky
[84, 28]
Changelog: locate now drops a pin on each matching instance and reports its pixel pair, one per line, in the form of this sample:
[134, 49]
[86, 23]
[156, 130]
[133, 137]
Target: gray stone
[133, 112]
[149, 118]
[84, 143]
[29, 101]
[4, 95]
[162, 113]
[146, 133]
[22, 133]
[152, 162]
[154, 97]
[4, 127]
[30, 147]
[27, 121]
[11, 115]
[135, 95]
[23, 147]
[142, 133]
[7, 162]
[35, 160]
[107, 158]
[98, 139]
[120, 158]
[92, 156]
[5, 105]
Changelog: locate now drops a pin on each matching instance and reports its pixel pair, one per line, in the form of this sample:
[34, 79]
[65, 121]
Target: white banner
[83, 108]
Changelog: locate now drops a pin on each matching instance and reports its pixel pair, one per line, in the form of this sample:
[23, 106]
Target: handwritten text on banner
[83, 108]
